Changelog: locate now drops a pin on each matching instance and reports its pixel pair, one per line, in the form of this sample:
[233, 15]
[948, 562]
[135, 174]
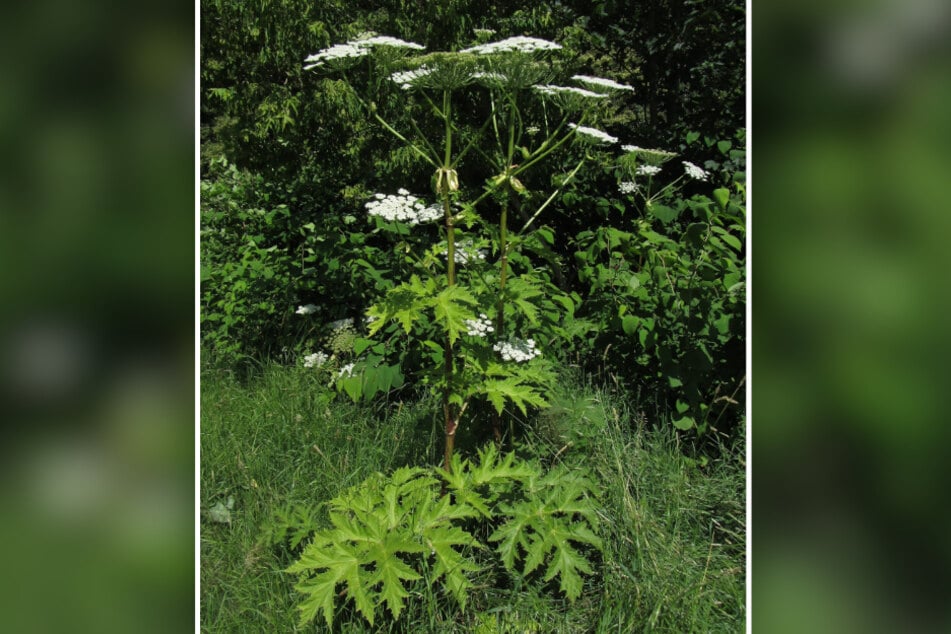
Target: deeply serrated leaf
[321, 591]
[450, 310]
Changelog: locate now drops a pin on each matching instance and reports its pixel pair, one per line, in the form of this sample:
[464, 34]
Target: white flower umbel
[651, 157]
[693, 171]
[465, 252]
[386, 40]
[518, 350]
[555, 90]
[345, 370]
[307, 309]
[356, 48]
[519, 44]
[479, 327]
[403, 207]
[340, 324]
[593, 133]
[337, 51]
[600, 82]
[315, 360]
[406, 78]
[647, 170]
[627, 187]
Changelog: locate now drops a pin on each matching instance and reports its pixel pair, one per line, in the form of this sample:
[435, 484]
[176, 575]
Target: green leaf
[724, 146]
[684, 423]
[451, 312]
[722, 196]
[511, 389]
[664, 213]
[321, 593]
[629, 324]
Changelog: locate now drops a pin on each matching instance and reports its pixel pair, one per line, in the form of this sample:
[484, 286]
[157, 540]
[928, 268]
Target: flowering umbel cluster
[695, 172]
[593, 133]
[479, 327]
[519, 44]
[308, 309]
[406, 78]
[356, 48]
[600, 82]
[315, 360]
[581, 92]
[518, 350]
[627, 187]
[403, 207]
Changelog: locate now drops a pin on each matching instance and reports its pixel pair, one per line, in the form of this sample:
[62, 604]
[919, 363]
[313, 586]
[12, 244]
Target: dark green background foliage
[288, 159]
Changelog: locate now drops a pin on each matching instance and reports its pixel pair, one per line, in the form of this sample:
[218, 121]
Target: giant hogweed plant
[461, 308]
[466, 307]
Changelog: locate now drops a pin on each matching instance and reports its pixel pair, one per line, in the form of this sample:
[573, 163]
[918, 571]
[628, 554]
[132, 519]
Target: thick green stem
[452, 422]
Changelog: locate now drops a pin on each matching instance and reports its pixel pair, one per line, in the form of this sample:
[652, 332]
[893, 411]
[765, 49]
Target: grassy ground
[673, 530]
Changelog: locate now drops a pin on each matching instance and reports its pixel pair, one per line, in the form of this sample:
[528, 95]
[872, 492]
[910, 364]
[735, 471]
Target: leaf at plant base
[391, 572]
[320, 592]
[566, 564]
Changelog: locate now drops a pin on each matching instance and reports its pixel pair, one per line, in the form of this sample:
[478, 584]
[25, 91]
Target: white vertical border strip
[749, 317]
[197, 335]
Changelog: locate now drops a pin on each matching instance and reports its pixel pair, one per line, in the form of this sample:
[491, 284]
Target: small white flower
[695, 172]
[647, 170]
[340, 324]
[345, 370]
[315, 360]
[627, 187]
[518, 350]
[479, 327]
[465, 251]
[519, 43]
[308, 309]
[554, 90]
[533, 129]
[404, 207]
[593, 133]
[630, 148]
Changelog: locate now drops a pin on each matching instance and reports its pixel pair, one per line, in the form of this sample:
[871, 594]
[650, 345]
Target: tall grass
[673, 530]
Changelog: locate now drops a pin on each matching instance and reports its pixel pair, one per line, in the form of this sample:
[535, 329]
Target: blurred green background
[850, 226]
[97, 186]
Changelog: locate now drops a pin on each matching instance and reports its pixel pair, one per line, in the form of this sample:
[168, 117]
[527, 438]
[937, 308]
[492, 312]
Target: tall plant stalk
[446, 181]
